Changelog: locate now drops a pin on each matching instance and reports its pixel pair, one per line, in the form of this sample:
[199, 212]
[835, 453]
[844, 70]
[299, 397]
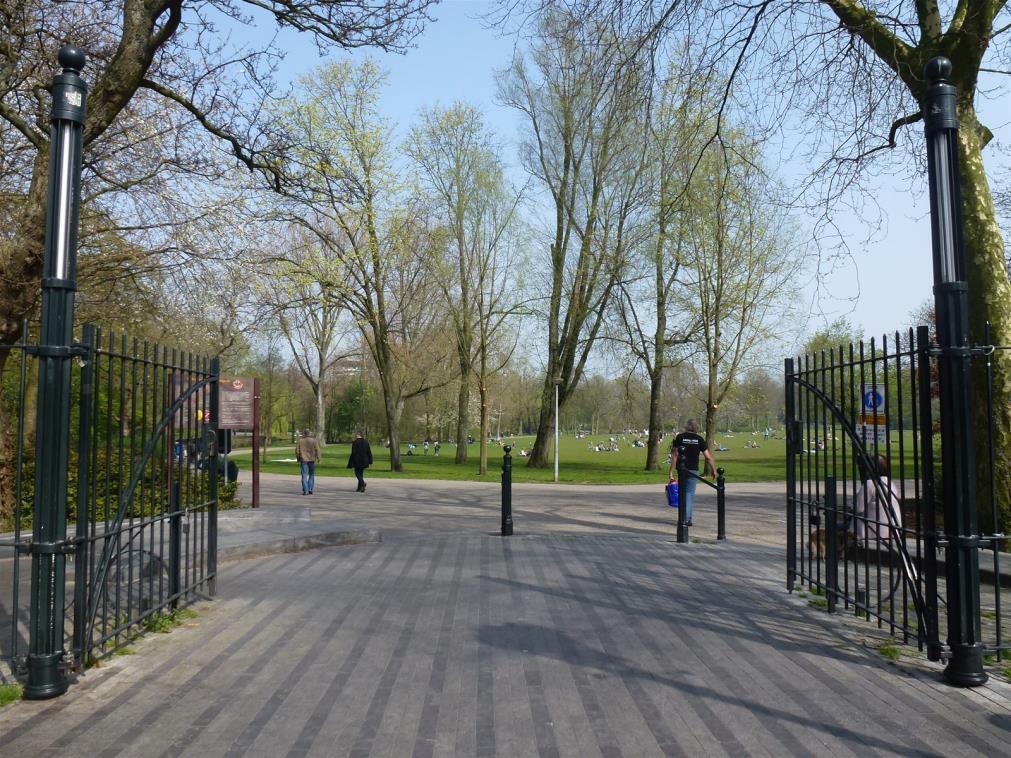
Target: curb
[298, 544]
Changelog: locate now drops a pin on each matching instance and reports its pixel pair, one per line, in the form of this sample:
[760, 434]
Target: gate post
[940, 117]
[211, 436]
[791, 478]
[83, 547]
[46, 675]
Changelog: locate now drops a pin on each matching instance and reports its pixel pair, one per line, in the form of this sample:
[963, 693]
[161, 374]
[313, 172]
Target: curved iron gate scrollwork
[861, 514]
[866, 527]
[147, 515]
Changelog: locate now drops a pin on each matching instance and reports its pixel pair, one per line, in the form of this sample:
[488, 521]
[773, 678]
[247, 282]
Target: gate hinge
[47, 548]
[956, 540]
[57, 351]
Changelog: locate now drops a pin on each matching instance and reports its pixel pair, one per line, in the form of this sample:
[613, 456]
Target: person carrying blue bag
[691, 445]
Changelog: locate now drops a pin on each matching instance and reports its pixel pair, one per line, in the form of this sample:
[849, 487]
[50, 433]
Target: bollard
[721, 506]
[831, 536]
[46, 675]
[682, 522]
[507, 492]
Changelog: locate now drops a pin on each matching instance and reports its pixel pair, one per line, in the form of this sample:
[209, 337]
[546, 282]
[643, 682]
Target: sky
[877, 288]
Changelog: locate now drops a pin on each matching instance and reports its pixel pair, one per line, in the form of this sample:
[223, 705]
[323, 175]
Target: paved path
[590, 633]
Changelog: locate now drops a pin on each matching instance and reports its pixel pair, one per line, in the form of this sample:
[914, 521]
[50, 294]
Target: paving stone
[589, 633]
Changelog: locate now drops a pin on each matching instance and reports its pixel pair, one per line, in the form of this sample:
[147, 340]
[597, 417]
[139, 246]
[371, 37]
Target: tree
[839, 332]
[150, 59]
[461, 172]
[739, 266]
[863, 62]
[297, 296]
[580, 105]
[343, 190]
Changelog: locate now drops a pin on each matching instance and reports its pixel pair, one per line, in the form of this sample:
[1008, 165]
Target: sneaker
[688, 522]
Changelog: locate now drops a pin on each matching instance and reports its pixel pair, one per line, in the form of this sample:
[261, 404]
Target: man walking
[360, 459]
[690, 445]
[307, 453]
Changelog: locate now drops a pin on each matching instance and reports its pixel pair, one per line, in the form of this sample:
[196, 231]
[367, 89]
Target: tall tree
[740, 267]
[162, 60]
[864, 62]
[580, 103]
[344, 191]
[458, 162]
[297, 296]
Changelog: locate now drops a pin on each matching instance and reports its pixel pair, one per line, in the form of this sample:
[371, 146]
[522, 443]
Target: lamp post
[46, 676]
[557, 381]
[961, 526]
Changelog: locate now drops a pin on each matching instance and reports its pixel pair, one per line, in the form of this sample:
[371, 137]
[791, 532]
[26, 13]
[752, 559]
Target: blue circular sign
[873, 400]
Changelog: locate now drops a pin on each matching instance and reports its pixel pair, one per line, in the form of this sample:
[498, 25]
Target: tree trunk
[394, 409]
[462, 403]
[320, 413]
[485, 428]
[542, 442]
[989, 298]
[653, 443]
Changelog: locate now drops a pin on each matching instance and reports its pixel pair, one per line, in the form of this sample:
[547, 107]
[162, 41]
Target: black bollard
[507, 492]
[682, 521]
[721, 506]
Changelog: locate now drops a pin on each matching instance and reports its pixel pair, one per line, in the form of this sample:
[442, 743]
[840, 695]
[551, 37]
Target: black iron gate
[865, 523]
[141, 500]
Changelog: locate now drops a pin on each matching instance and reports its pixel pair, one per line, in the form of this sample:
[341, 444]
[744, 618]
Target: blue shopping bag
[672, 494]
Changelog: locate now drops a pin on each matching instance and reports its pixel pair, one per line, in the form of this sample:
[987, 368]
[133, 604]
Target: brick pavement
[565, 640]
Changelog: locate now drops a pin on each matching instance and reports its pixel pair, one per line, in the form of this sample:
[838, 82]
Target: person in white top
[871, 508]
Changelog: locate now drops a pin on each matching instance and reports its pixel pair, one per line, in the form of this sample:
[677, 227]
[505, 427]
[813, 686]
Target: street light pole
[958, 464]
[558, 381]
[46, 676]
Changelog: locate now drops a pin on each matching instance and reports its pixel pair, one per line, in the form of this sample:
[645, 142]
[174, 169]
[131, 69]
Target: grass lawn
[577, 463]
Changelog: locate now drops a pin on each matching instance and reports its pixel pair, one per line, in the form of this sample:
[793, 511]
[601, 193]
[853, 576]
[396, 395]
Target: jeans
[689, 485]
[360, 473]
[308, 476]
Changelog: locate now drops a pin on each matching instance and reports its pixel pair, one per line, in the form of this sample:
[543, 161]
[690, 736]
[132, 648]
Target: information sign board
[235, 403]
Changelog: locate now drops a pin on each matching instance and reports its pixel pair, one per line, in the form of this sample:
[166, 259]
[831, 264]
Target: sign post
[238, 408]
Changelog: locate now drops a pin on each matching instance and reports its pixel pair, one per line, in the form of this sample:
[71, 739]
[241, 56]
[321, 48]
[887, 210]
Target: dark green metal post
[965, 667]
[792, 441]
[721, 506]
[175, 541]
[831, 540]
[682, 521]
[507, 492]
[212, 467]
[46, 674]
[83, 490]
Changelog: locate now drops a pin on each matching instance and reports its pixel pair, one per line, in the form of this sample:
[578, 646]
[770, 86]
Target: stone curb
[298, 544]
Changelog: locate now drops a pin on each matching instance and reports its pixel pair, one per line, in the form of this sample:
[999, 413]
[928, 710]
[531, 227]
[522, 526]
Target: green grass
[163, 623]
[818, 602]
[890, 651]
[9, 693]
[577, 463]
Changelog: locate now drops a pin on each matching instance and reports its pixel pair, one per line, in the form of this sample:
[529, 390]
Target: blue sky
[455, 59]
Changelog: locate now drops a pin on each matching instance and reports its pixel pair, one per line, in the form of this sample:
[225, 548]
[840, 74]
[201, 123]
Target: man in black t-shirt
[691, 445]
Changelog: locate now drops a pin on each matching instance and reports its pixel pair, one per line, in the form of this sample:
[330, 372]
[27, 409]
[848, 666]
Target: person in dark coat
[360, 459]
